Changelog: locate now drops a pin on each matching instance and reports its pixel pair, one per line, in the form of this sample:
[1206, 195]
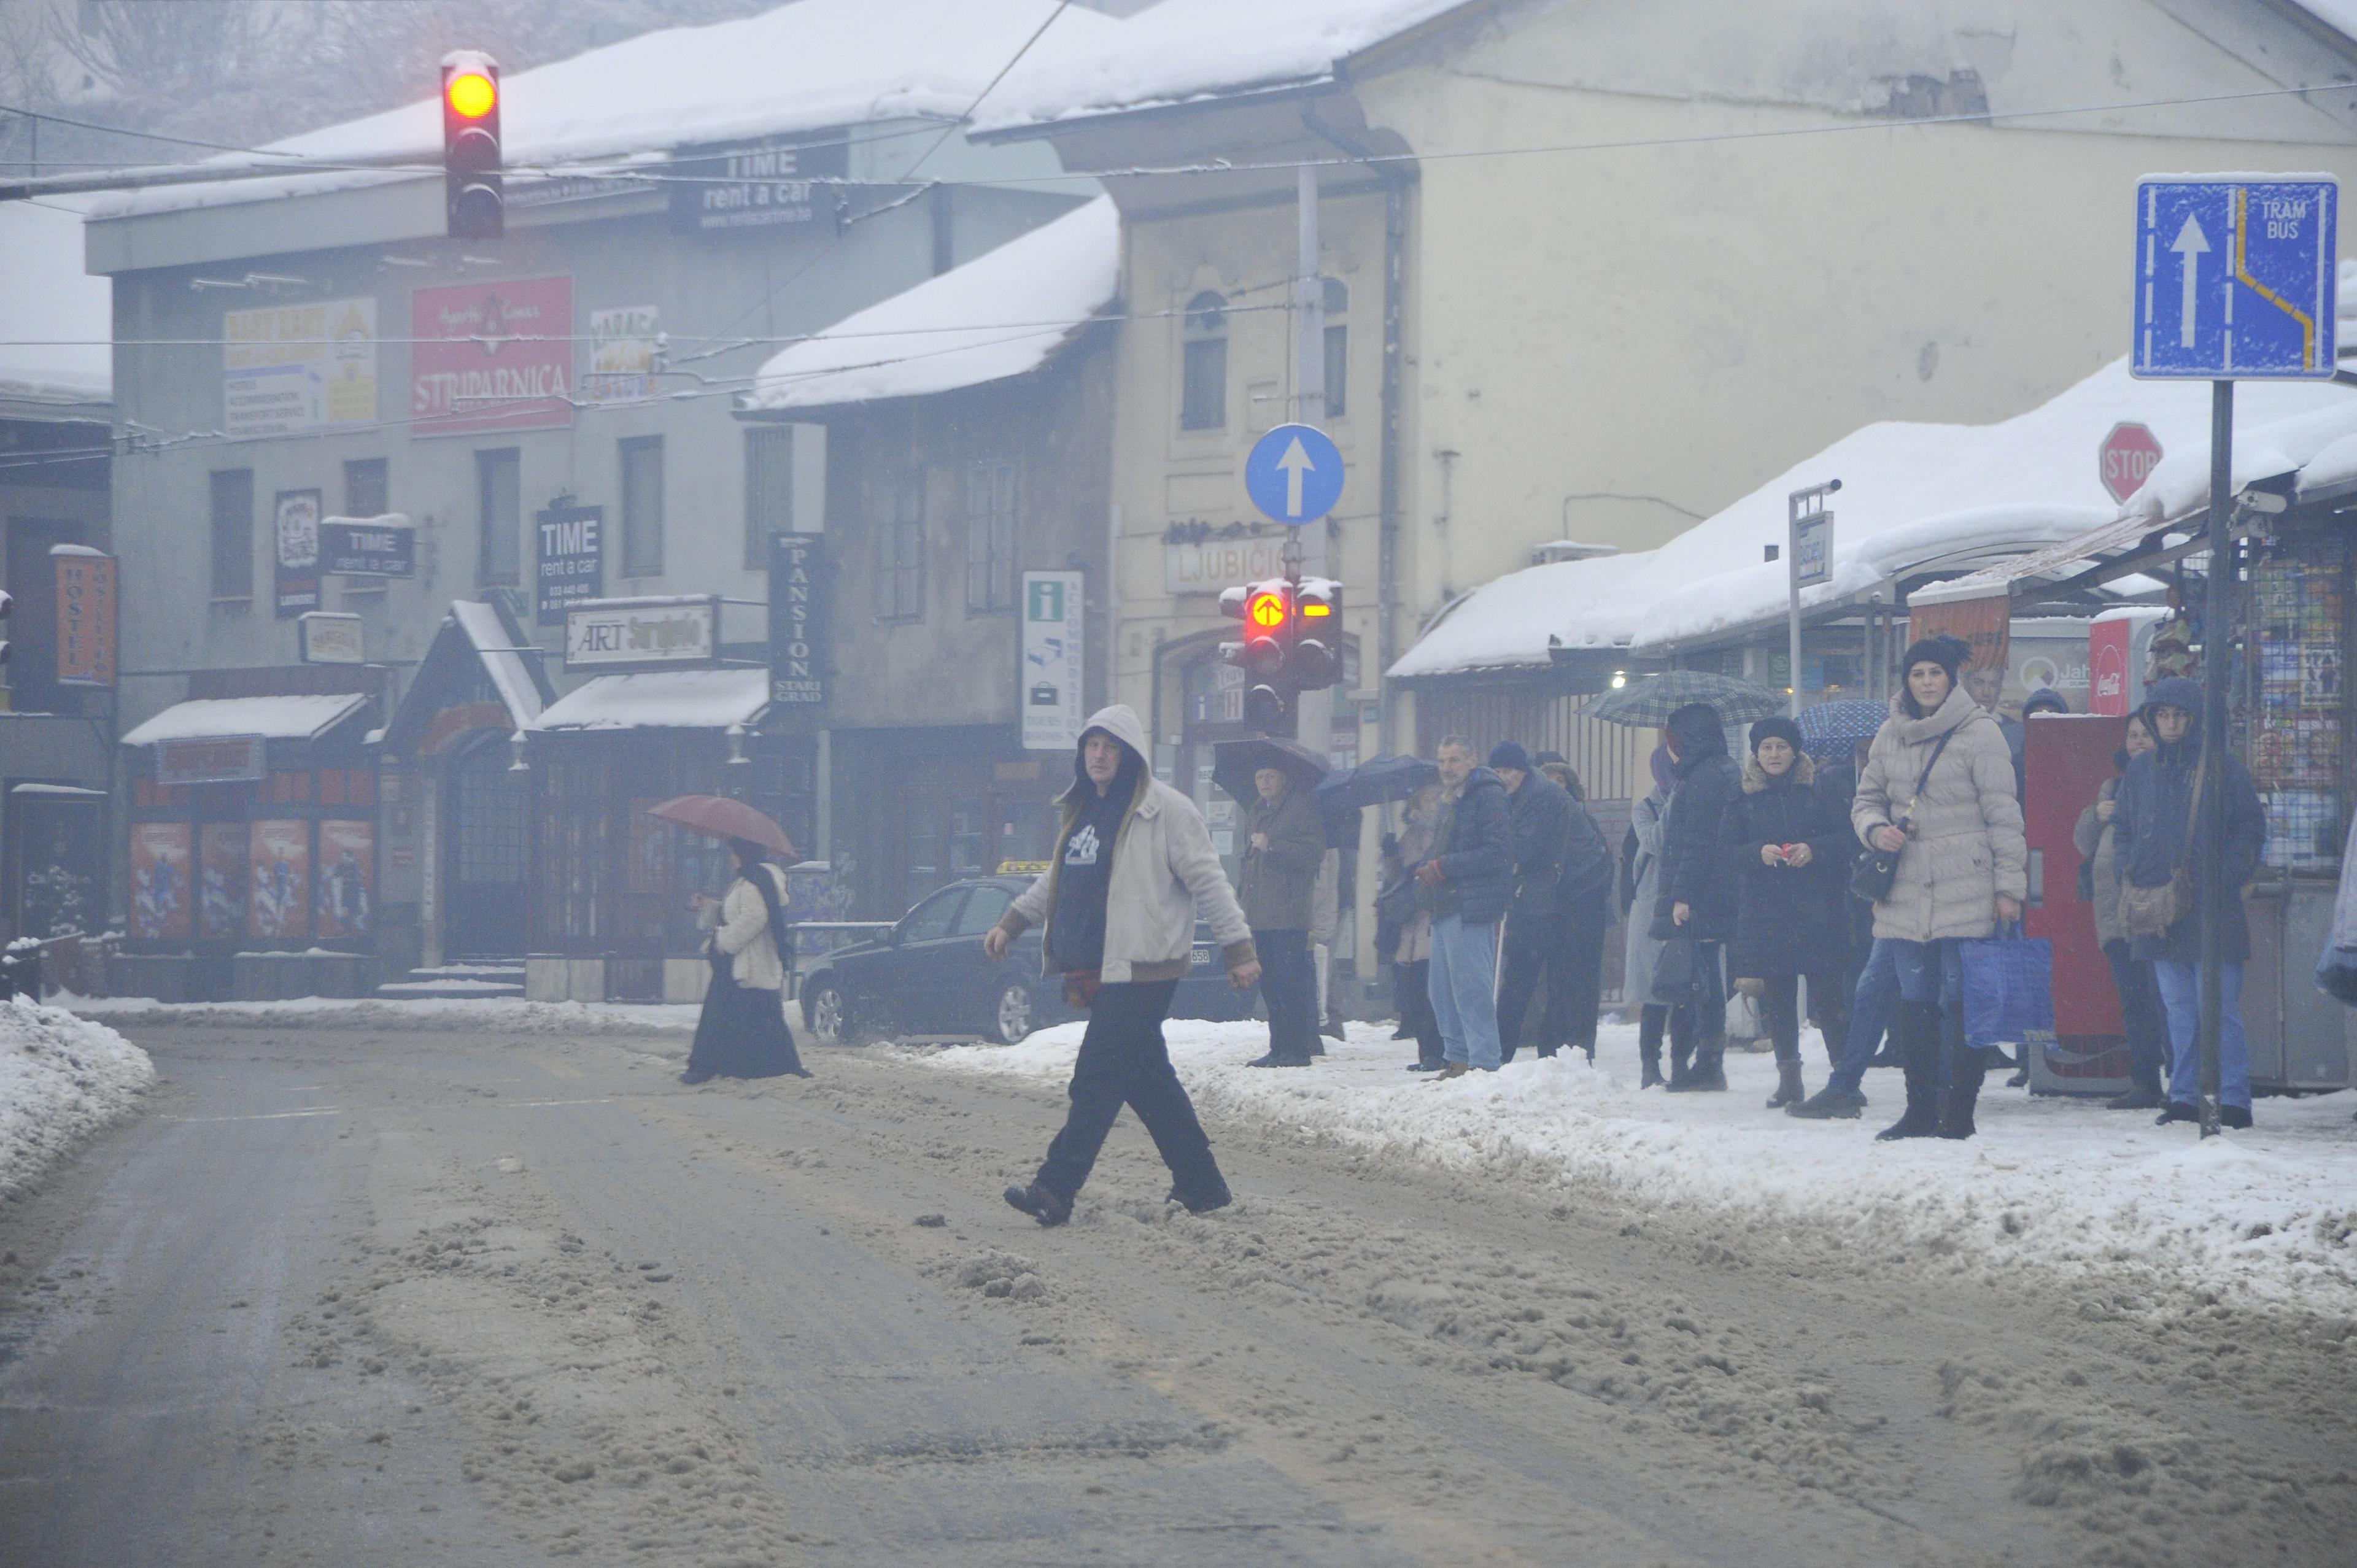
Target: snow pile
[2060, 1187]
[1507, 621]
[61, 1079]
[57, 323]
[449, 1014]
[1000, 315]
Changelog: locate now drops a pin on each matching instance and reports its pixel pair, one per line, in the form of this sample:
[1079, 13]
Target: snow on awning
[57, 323]
[508, 672]
[302, 717]
[1003, 314]
[662, 699]
[1515, 621]
[56, 792]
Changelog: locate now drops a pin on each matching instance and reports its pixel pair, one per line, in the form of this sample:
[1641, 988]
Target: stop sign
[2126, 458]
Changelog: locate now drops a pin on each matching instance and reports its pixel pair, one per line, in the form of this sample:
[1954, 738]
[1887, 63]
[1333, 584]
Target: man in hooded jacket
[1698, 900]
[1132, 865]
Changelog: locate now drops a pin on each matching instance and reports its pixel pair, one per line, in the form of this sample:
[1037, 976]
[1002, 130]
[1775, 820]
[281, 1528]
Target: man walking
[1541, 814]
[1132, 864]
[1280, 874]
[1465, 884]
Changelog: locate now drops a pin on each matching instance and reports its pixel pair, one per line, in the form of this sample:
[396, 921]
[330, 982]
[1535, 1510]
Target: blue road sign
[1294, 474]
[2234, 277]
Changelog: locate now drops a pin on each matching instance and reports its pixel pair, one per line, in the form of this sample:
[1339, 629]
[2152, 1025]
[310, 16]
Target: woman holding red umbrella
[742, 1032]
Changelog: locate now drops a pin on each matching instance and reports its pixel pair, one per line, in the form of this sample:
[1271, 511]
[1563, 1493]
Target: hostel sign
[798, 639]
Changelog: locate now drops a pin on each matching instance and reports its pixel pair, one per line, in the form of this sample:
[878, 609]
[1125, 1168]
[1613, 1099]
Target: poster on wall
[347, 878]
[295, 521]
[1048, 686]
[491, 356]
[221, 881]
[292, 369]
[279, 859]
[621, 355]
[1983, 622]
[569, 558]
[160, 887]
[86, 585]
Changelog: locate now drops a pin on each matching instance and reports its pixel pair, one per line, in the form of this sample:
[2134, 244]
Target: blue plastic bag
[2010, 991]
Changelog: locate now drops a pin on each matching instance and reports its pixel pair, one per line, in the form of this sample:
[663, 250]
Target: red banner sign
[491, 356]
[85, 615]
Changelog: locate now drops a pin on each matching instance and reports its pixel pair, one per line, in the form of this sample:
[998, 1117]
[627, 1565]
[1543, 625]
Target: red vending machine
[2069, 756]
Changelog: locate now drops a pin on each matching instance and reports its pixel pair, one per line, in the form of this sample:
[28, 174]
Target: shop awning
[307, 717]
[662, 699]
[476, 648]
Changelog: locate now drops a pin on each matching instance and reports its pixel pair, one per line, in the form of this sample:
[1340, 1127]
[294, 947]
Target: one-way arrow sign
[2235, 276]
[1294, 475]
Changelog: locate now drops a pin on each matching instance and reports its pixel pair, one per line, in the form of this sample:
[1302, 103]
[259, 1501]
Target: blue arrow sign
[1294, 474]
[2234, 277]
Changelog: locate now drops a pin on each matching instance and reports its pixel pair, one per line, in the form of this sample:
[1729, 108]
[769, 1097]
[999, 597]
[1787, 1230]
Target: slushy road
[368, 1296]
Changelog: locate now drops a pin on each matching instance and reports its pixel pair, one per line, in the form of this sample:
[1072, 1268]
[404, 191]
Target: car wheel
[1010, 1017]
[828, 1015]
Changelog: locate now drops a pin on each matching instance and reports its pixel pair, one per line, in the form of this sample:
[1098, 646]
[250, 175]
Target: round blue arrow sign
[1294, 474]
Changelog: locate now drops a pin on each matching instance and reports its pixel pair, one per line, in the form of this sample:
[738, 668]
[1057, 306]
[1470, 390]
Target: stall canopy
[472, 663]
[662, 699]
[313, 717]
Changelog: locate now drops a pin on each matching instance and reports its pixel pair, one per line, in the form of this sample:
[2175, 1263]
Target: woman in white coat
[742, 1032]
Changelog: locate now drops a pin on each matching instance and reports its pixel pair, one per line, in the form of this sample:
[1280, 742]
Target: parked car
[928, 975]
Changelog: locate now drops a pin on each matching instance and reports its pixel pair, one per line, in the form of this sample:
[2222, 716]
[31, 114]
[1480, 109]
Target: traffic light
[474, 196]
[1266, 609]
[1317, 661]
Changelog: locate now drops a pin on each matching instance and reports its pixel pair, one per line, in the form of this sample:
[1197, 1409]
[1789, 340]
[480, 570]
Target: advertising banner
[211, 759]
[798, 643]
[491, 356]
[1047, 691]
[368, 546]
[86, 585]
[642, 631]
[1983, 624]
[621, 355]
[756, 186]
[330, 637]
[294, 530]
[160, 886]
[292, 369]
[347, 878]
[279, 859]
[569, 546]
[221, 881]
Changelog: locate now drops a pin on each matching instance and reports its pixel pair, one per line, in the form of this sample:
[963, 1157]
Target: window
[643, 506]
[1203, 390]
[984, 904]
[989, 537]
[367, 489]
[1338, 348]
[232, 511]
[932, 920]
[768, 489]
[900, 552]
[498, 506]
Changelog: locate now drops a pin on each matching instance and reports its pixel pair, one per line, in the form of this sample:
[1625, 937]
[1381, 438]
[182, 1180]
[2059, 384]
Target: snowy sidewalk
[61, 1079]
[454, 1014]
[2054, 1185]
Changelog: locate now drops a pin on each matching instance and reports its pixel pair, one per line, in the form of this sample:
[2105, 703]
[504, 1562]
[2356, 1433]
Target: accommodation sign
[85, 615]
[569, 557]
[798, 649]
[756, 186]
[641, 631]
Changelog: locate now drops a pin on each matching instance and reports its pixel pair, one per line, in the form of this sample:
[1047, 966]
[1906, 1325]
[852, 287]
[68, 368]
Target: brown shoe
[1454, 1069]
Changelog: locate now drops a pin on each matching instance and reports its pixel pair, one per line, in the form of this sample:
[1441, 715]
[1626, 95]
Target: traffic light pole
[2210, 843]
[1314, 711]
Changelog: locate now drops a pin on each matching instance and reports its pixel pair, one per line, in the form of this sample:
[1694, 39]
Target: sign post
[2235, 281]
[1808, 549]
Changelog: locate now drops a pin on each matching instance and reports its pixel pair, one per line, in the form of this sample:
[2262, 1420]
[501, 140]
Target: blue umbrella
[1831, 729]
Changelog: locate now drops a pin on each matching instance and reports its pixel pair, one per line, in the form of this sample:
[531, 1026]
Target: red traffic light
[1266, 610]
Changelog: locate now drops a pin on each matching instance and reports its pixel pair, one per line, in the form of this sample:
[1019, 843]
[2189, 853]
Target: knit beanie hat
[1778, 726]
[1510, 754]
[1948, 653]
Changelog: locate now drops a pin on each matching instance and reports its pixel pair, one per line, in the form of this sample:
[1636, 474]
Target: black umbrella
[1377, 781]
[1233, 763]
[1652, 700]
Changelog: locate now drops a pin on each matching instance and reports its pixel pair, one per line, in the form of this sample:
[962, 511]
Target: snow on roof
[302, 717]
[1181, 50]
[1000, 315]
[1506, 622]
[2340, 14]
[662, 699]
[803, 67]
[507, 673]
[57, 322]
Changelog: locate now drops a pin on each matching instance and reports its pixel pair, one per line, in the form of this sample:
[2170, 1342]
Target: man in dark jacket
[1542, 821]
[2152, 812]
[1286, 846]
[1696, 900]
[1467, 882]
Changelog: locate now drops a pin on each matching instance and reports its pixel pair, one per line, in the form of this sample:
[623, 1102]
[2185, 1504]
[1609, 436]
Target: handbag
[2151, 911]
[1675, 973]
[1876, 871]
[2008, 991]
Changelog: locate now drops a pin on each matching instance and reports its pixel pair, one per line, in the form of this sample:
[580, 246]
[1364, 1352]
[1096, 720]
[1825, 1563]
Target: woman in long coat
[1787, 849]
[1411, 957]
[742, 1032]
[1642, 946]
[1938, 793]
[2140, 1007]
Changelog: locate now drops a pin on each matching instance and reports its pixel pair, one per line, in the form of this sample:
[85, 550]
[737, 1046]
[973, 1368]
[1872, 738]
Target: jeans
[2181, 992]
[2140, 1009]
[1411, 983]
[1124, 1062]
[1288, 984]
[1463, 989]
[1533, 946]
[1871, 1008]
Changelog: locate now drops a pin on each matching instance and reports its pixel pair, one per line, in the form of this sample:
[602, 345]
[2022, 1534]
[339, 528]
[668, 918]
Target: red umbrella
[725, 819]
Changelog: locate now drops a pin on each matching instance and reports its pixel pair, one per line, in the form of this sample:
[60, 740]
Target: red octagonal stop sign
[2126, 458]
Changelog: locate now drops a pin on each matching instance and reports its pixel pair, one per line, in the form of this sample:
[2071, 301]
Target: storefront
[251, 844]
[917, 808]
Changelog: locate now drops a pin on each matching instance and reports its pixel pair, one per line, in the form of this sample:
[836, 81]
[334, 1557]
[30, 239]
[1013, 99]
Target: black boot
[1709, 1073]
[1915, 1034]
[1965, 1075]
[2143, 1097]
[1831, 1102]
[1203, 1196]
[1788, 1085]
[1680, 1068]
[1044, 1204]
[1649, 1066]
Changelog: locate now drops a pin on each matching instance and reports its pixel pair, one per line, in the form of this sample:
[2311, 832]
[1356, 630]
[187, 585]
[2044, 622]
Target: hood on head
[1697, 732]
[1118, 720]
[2177, 692]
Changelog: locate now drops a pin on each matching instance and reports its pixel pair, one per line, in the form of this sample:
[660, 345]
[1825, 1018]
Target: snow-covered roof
[803, 67]
[2337, 14]
[662, 699]
[1505, 622]
[300, 717]
[508, 672]
[57, 322]
[1182, 50]
[1000, 315]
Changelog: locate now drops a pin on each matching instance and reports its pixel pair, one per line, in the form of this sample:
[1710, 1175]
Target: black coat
[1585, 883]
[1693, 871]
[1837, 783]
[1787, 921]
[2148, 841]
[1542, 816]
[1475, 852]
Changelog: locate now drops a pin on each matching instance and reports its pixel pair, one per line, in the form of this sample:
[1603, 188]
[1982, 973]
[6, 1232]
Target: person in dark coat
[1786, 848]
[1286, 847]
[1467, 882]
[1542, 820]
[2148, 825]
[1833, 1011]
[1696, 900]
[742, 1031]
[1583, 922]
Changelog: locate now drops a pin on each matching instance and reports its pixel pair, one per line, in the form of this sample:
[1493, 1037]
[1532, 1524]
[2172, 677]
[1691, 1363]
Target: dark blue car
[929, 976]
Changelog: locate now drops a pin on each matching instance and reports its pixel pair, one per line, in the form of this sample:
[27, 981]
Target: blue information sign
[2234, 277]
[1294, 474]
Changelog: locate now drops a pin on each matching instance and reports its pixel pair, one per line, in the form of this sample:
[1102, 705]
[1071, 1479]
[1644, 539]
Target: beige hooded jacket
[1967, 848]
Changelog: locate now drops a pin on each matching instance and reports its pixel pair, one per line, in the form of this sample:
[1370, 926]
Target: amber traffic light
[475, 196]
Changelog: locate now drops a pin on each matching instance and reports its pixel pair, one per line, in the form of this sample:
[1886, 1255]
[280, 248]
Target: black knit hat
[1778, 726]
[1948, 653]
[1510, 754]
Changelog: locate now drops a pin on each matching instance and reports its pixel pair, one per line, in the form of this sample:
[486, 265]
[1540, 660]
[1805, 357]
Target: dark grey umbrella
[1376, 781]
[1233, 763]
[1654, 698]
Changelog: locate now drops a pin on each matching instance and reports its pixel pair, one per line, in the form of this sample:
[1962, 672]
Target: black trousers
[1411, 985]
[1780, 1009]
[1288, 984]
[1581, 933]
[1702, 1022]
[1124, 1062]
[1535, 946]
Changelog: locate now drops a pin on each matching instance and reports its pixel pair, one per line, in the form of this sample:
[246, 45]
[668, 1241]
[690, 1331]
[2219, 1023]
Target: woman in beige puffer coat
[1963, 868]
